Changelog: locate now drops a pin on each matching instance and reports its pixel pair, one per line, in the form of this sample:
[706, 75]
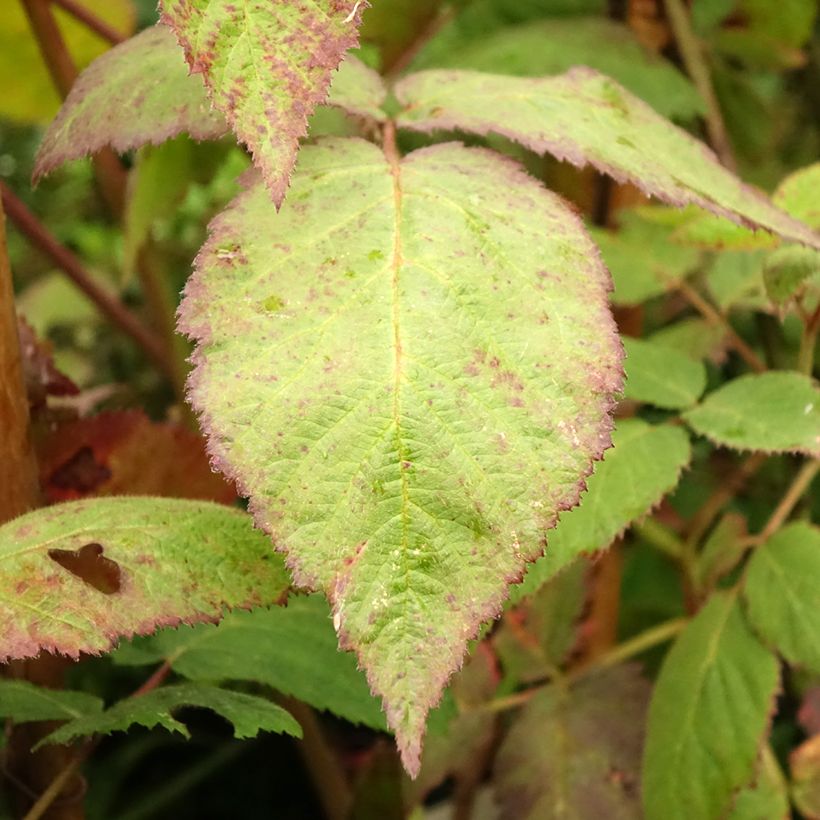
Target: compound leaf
[291, 648]
[783, 596]
[643, 465]
[772, 412]
[709, 712]
[576, 752]
[78, 576]
[267, 64]
[408, 414]
[661, 375]
[249, 714]
[584, 117]
[22, 701]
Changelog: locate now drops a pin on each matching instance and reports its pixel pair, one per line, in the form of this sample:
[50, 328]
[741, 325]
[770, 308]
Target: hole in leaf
[90, 565]
[82, 472]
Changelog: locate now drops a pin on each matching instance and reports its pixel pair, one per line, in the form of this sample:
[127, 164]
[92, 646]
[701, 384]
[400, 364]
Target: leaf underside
[409, 370]
[267, 65]
[584, 118]
[163, 562]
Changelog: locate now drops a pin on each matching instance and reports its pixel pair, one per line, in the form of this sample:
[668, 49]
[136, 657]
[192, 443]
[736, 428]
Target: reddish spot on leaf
[90, 565]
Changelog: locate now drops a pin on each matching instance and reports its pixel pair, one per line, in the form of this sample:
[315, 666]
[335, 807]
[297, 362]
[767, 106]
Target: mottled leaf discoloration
[176, 562]
[409, 370]
[585, 118]
[267, 65]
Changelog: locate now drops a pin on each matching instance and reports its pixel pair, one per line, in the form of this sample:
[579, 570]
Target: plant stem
[698, 69]
[802, 481]
[90, 20]
[54, 790]
[661, 537]
[154, 680]
[108, 304]
[714, 317]
[808, 343]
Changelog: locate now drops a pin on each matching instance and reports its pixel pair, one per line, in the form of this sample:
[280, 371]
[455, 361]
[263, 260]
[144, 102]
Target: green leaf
[694, 337]
[804, 763]
[797, 195]
[150, 96]
[644, 263]
[292, 648]
[786, 269]
[710, 232]
[22, 701]
[249, 714]
[576, 752]
[774, 412]
[583, 117]
[421, 363]
[267, 66]
[766, 798]
[723, 550]
[783, 595]
[552, 46]
[709, 713]
[661, 376]
[735, 280]
[147, 561]
[644, 464]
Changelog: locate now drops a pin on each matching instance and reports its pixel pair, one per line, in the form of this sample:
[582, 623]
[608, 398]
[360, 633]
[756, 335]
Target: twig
[89, 19]
[409, 54]
[55, 788]
[808, 343]
[698, 69]
[801, 483]
[156, 678]
[713, 316]
[109, 305]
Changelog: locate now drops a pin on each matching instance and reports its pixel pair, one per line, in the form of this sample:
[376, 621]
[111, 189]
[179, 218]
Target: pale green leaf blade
[408, 417]
[162, 562]
[723, 550]
[291, 648]
[584, 117]
[709, 713]
[766, 798]
[787, 269]
[576, 753]
[783, 594]
[774, 412]
[553, 46]
[643, 465]
[694, 337]
[22, 701]
[249, 714]
[661, 375]
[267, 66]
[797, 195]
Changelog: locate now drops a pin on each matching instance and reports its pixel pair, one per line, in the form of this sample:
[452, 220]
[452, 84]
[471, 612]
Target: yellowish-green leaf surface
[584, 118]
[76, 577]
[409, 370]
[709, 713]
[22, 701]
[267, 65]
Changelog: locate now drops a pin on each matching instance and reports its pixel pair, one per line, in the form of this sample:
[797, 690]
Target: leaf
[797, 195]
[583, 117]
[267, 66]
[147, 76]
[644, 464]
[661, 376]
[643, 261]
[805, 768]
[167, 561]
[22, 701]
[552, 46]
[773, 412]
[694, 337]
[249, 714]
[766, 798]
[421, 363]
[723, 550]
[735, 280]
[709, 713]
[783, 596]
[29, 95]
[787, 268]
[292, 648]
[124, 453]
[576, 752]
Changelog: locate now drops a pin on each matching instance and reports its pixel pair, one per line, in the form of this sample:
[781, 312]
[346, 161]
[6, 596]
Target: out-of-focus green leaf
[735, 280]
[709, 713]
[29, 95]
[643, 465]
[783, 594]
[642, 260]
[787, 269]
[694, 337]
[291, 648]
[553, 46]
[723, 549]
[797, 194]
[773, 412]
[249, 714]
[661, 376]
[766, 798]
[22, 701]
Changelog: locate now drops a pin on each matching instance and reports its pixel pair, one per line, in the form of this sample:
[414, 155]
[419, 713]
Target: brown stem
[403, 60]
[808, 343]
[698, 69]
[90, 20]
[109, 305]
[156, 678]
[714, 317]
